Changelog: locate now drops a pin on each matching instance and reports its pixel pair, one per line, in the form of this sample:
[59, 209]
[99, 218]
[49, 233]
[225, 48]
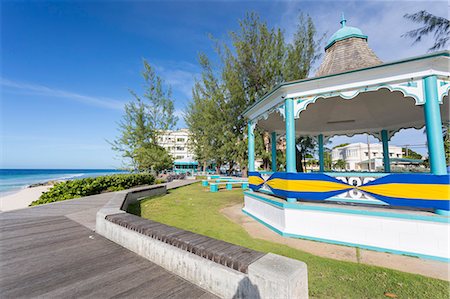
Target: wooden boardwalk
[51, 251]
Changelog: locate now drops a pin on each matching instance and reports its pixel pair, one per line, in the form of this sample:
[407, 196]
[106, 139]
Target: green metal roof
[344, 33]
[185, 163]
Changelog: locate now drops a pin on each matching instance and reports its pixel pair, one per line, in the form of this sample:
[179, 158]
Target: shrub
[91, 186]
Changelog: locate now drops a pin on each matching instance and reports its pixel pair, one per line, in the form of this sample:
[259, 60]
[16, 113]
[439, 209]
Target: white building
[176, 143]
[357, 156]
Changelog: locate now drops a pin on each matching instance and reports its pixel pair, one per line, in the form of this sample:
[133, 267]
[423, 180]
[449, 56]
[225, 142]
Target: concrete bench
[225, 269]
[214, 187]
[221, 252]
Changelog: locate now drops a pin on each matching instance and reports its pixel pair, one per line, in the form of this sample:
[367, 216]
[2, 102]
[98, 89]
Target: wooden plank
[57, 257]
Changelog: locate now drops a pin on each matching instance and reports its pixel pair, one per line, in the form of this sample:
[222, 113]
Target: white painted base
[396, 232]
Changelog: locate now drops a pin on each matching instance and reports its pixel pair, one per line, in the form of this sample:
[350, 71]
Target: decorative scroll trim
[265, 115]
[390, 133]
[443, 89]
[281, 110]
[252, 125]
[413, 88]
[377, 135]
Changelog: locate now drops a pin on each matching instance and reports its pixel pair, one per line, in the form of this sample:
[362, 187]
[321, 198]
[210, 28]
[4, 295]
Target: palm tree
[431, 24]
[340, 164]
[304, 146]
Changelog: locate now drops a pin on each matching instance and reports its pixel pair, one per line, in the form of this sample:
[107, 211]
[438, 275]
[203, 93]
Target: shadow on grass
[135, 208]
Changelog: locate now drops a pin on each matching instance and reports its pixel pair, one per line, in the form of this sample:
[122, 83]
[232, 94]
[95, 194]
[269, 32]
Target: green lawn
[195, 209]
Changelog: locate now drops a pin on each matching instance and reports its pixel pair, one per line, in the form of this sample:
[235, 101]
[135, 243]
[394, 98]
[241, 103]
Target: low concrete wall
[134, 195]
[271, 276]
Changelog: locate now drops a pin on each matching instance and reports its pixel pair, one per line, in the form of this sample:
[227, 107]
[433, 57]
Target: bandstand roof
[347, 50]
[364, 100]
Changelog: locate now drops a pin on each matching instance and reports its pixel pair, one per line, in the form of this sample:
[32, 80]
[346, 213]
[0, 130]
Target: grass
[195, 209]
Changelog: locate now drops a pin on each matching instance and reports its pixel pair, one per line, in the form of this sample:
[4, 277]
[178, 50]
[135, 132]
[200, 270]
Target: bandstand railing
[412, 190]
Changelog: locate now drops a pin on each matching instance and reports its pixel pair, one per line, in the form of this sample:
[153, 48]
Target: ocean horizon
[13, 180]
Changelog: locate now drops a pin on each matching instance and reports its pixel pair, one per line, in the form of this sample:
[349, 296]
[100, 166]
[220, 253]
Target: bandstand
[354, 92]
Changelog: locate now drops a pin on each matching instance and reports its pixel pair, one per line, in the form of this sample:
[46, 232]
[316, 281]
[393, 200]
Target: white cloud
[180, 75]
[181, 81]
[36, 89]
[179, 113]
[381, 21]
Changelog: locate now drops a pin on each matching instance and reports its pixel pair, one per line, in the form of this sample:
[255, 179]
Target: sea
[13, 180]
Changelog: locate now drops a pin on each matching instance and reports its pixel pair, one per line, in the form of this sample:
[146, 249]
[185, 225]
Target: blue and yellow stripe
[412, 190]
[408, 190]
[255, 180]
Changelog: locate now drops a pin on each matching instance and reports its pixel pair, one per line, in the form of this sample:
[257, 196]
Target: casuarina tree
[146, 117]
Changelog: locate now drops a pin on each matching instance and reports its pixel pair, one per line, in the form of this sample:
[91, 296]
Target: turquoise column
[290, 135]
[386, 160]
[433, 125]
[251, 147]
[274, 151]
[321, 156]
[290, 138]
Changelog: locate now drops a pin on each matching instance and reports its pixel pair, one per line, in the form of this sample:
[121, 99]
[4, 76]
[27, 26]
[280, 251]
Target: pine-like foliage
[254, 60]
[440, 27]
[146, 117]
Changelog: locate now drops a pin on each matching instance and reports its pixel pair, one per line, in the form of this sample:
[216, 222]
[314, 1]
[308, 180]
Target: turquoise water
[12, 180]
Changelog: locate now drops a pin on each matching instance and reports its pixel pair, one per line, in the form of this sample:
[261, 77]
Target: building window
[366, 153]
[180, 148]
[179, 157]
[180, 139]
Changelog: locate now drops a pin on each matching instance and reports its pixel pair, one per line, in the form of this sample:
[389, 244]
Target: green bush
[92, 186]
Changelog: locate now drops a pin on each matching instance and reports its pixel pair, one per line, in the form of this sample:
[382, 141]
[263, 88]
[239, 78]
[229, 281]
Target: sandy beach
[22, 198]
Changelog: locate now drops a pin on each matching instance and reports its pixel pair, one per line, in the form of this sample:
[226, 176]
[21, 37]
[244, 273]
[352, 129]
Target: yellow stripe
[255, 180]
[306, 185]
[420, 191]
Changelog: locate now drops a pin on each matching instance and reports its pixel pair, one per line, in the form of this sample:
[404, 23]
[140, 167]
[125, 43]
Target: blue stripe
[411, 179]
[305, 177]
[307, 195]
[413, 202]
[255, 187]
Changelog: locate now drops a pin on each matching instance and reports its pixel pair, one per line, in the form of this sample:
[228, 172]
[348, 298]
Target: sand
[408, 264]
[22, 198]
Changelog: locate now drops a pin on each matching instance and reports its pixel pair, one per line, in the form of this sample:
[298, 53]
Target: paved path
[409, 264]
[52, 251]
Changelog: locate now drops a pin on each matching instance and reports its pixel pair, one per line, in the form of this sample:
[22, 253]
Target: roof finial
[343, 20]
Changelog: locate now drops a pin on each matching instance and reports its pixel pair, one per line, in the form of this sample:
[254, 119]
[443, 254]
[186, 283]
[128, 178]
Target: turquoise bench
[214, 187]
[205, 183]
[213, 177]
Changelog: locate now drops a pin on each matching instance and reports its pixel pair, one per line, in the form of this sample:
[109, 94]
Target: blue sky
[66, 67]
